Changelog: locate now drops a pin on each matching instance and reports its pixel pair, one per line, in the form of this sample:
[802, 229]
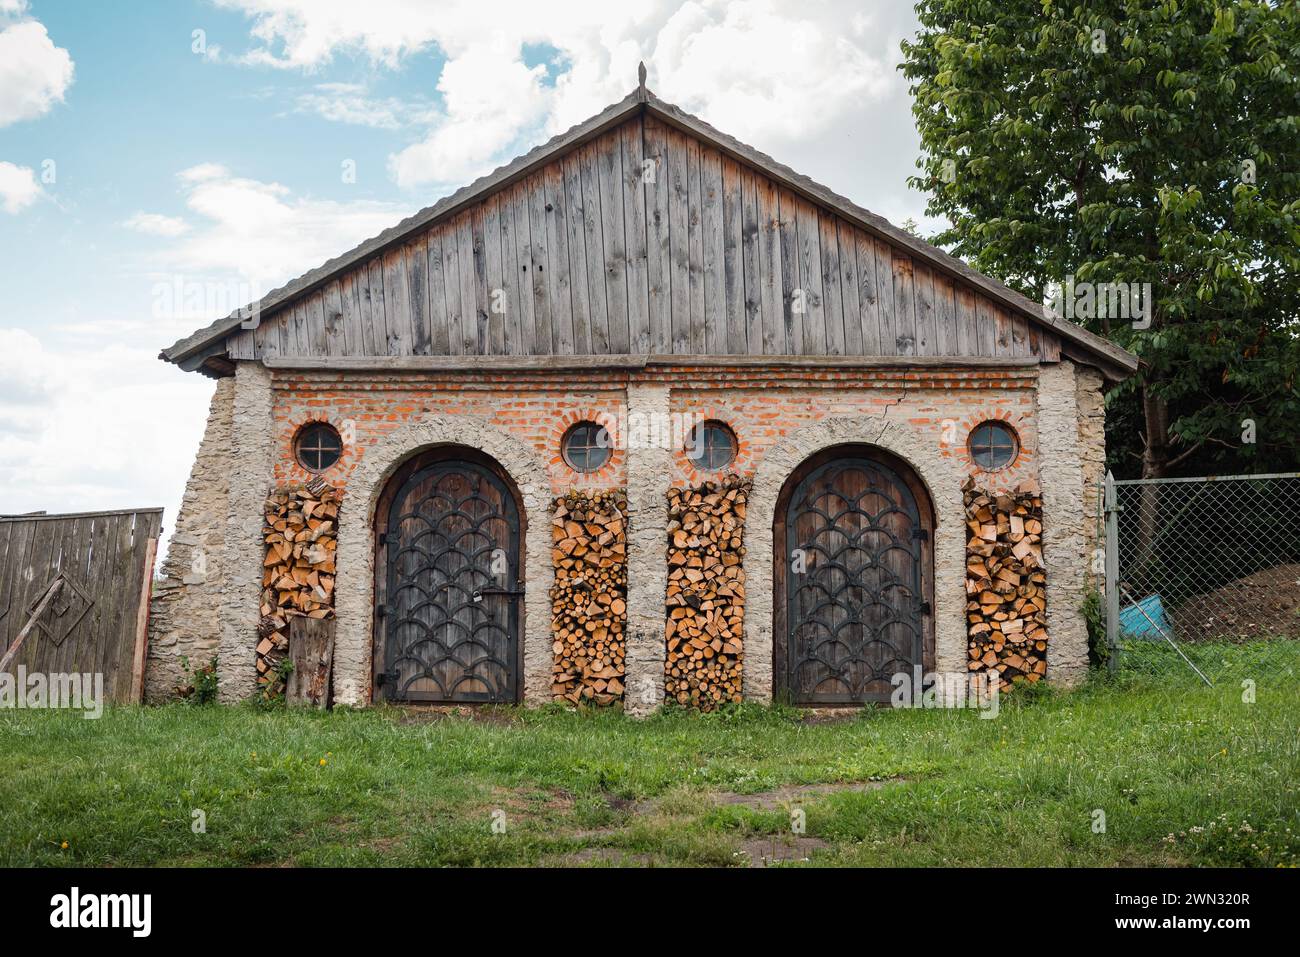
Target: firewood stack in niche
[706, 593]
[1006, 596]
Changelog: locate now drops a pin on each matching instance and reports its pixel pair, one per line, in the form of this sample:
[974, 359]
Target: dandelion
[322, 762]
[63, 846]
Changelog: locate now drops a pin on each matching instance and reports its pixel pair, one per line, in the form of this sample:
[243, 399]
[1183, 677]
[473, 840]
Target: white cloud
[18, 187]
[262, 233]
[91, 425]
[156, 224]
[788, 79]
[491, 99]
[350, 103]
[34, 73]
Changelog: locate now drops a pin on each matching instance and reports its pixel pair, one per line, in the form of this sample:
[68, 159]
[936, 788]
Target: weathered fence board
[93, 620]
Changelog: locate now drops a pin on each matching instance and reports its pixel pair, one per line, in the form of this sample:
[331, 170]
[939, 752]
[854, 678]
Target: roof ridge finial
[640, 77]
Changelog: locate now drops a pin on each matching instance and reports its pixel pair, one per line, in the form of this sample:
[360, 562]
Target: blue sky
[138, 159]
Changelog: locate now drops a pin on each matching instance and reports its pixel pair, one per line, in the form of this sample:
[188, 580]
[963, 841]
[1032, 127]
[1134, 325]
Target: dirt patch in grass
[1263, 605]
[793, 794]
[766, 851]
[482, 714]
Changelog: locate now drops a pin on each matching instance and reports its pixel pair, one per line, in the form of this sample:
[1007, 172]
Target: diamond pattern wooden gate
[854, 546]
[448, 610]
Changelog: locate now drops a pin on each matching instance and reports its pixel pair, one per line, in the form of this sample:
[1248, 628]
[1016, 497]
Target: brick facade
[780, 415]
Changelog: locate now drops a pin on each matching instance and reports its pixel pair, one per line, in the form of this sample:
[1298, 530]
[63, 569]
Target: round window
[586, 447]
[712, 446]
[993, 445]
[318, 446]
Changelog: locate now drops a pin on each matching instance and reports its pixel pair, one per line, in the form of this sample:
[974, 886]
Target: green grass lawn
[1184, 775]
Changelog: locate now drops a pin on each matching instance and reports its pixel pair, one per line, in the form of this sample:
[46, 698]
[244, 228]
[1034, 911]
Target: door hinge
[383, 538]
[923, 607]
[381, 611]
[921, 534]
[385, 677]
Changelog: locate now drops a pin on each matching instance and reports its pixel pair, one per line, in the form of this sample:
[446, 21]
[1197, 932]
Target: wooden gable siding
[645, 240]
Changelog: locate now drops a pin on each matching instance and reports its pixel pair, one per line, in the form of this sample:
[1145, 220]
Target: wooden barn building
[642, 415]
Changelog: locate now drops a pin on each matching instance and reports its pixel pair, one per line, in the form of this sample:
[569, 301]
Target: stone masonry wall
[185, 613]
[1091, 403]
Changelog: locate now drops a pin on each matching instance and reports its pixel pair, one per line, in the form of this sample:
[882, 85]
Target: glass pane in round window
[712, 446]
[586, 447]
[992, 445]
[318, 446]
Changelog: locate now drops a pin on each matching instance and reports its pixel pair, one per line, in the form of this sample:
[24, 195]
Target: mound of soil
[1263, 605]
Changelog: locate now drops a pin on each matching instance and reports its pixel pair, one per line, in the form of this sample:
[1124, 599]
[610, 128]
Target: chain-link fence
[1203, 576]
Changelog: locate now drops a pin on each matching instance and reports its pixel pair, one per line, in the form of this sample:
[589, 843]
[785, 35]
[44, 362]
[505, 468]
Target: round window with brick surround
[993, 445]
[712, 446]
[586, 447]
[317, 446]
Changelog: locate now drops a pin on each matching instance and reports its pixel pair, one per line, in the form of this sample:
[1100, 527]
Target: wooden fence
[74, 595]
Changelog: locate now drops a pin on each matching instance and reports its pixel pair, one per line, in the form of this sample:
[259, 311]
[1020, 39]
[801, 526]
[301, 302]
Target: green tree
[1132, 141]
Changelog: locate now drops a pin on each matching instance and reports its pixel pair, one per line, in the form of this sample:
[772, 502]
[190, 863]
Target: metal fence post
[1112, 572]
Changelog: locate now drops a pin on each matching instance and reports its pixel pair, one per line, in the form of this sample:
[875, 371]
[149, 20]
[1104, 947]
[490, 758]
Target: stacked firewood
[301, 536]
[706, 593]
[1006, 598]
[589, 597]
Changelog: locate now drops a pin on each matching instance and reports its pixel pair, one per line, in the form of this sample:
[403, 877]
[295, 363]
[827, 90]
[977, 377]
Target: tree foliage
[1133, 141]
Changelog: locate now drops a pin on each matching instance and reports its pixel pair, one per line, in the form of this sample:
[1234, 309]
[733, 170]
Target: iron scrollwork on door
[451, 613]
[855, 604]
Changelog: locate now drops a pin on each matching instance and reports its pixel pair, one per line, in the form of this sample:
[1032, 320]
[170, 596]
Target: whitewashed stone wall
[251, 450]
[185, 613]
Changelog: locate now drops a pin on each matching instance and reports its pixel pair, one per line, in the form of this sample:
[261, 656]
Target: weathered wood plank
[472, 319]
[769, 215]
[750, 256]
[593, 238]
[609, 167]
[810, 279]
[439, 323]
[788, 231]
[986, 327]
[397, 304]
[711, 333]
[335, 332]
[519, 207]
[658, 249]
[679, 241]
[945, 309]
[967, 323]
[832, 295]
[579, 288]
[733, 265]
[417, 287]
[638, 237]
[695, 242]
[558, 266]
[511, 274]
[379, 308]
[884, 256]
[493, 278]
[923, 285]
[311, 649]
[849, 288]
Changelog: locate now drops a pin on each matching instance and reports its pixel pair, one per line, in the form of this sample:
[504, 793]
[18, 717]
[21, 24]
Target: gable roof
[204, 344]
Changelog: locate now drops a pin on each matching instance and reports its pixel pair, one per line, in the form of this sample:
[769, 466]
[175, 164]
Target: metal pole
[1112, 572]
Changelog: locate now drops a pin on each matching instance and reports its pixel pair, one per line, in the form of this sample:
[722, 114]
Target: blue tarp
[1140, 620]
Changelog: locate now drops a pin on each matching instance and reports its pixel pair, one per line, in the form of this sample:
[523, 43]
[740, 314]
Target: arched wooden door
[447, 588]
[854, 578]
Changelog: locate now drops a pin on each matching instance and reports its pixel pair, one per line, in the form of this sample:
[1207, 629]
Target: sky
[163, 163]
